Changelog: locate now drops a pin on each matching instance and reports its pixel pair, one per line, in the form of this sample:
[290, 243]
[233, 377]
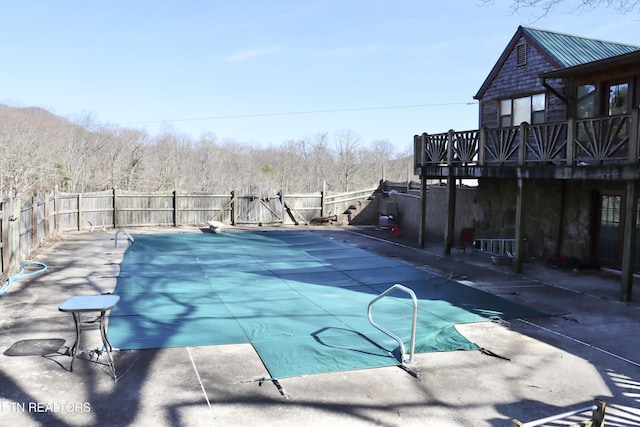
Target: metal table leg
[107, 345]
[76, 344]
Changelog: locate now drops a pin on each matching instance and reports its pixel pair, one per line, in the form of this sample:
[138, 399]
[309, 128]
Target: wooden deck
[576, 149]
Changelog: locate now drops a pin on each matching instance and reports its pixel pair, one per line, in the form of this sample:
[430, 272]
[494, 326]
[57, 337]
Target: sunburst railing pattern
[598, 141]
[502, 145]
[465, 147]
[547, 143]
[603, 139]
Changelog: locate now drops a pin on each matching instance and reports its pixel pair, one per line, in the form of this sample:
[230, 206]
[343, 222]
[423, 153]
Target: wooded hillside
[40, 150]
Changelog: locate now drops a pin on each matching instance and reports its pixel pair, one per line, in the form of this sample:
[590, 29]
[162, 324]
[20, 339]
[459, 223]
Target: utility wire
[274, 114]
[298, 113]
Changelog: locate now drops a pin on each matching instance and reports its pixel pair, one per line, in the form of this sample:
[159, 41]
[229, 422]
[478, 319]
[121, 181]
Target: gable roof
[561, 50]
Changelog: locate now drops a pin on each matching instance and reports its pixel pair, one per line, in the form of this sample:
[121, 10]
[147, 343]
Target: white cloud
[248, 54]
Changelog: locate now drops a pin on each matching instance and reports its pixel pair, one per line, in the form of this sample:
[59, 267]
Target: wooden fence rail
[26, 224]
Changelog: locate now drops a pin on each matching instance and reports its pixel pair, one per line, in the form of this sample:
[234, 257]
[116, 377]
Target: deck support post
[451, 195]
[422, 228]
[519, 232]
[451, 213]
[629, 241]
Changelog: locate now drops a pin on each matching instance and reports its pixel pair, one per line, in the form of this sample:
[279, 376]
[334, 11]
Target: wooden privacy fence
[25, 225]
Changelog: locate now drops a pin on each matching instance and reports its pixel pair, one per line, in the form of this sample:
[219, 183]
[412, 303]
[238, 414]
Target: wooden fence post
[56, 209]
[323, 195]
[282, 204]
[13, 240]
[233, 208]
[34, 222]
[175, 208]
[115, 208]
[47, 221]
[6, 207]
[79, 219]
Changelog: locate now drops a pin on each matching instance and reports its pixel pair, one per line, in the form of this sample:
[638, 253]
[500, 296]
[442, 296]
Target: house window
[505, 113]
[618, 99]
[586, 101]
[530, 109]
[610, 217]
[538, 104]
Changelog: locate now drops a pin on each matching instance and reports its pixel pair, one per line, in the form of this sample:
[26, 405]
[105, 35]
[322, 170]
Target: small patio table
[79, 305]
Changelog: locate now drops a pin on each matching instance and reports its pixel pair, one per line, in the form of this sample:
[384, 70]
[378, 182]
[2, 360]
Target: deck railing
[597, 141]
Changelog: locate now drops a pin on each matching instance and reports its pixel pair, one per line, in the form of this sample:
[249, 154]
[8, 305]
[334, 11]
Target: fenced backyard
[26, 224]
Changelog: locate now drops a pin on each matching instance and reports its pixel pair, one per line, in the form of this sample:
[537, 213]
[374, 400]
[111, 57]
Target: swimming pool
[298, 297]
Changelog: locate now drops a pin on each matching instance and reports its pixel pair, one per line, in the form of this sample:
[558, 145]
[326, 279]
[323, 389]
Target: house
[556, 154]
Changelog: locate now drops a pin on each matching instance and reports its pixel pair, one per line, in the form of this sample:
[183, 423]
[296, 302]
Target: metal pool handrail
[126, 233]
[413, 326]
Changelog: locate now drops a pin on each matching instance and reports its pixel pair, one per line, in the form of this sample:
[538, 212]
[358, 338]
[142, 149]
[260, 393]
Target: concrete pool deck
[588, 348]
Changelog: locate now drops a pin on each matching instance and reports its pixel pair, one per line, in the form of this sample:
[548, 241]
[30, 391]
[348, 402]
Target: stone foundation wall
[491, 209]
[408, 207]
[548, 233]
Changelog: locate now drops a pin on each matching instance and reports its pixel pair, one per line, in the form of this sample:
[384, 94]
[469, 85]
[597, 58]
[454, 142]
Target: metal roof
[569, 50]
[631, 59]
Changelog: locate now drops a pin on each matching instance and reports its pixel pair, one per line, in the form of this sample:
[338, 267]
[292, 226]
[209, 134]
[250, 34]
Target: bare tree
[82, 159]
[239, 165]
[105, 171]
[292, 163]
[205, 165]
[548, 6]
[321, 159]
[172, 159]
[39, 150]
[20, 148]
[378, 155]
[130, 159]
[26, 152]
[347, 145]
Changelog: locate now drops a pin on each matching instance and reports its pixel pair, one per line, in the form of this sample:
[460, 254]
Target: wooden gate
[254, 207]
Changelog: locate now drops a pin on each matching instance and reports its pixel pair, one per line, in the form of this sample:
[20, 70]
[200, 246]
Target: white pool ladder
[391, 334]
[126, 233]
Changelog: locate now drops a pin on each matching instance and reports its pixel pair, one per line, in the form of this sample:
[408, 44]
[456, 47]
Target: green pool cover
[299, 298]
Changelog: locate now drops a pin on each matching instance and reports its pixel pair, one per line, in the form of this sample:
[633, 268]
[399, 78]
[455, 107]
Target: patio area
[588, 348]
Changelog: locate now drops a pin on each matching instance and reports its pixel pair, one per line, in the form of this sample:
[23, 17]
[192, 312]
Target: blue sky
[263, 72]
